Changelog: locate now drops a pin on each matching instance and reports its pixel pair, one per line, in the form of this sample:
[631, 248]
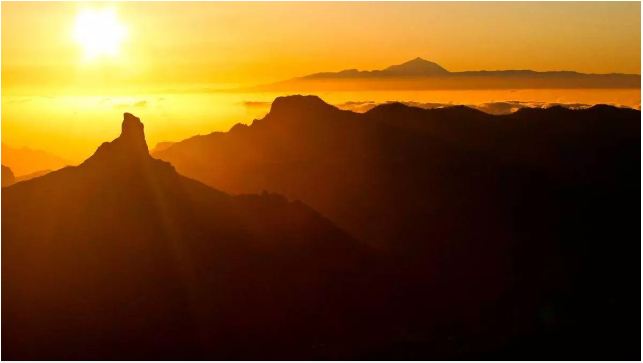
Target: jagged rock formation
[123, 258]
[499, 237]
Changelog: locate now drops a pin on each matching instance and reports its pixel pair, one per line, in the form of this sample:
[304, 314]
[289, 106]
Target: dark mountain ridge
[516, 211]
[461, 235]
[123, 258]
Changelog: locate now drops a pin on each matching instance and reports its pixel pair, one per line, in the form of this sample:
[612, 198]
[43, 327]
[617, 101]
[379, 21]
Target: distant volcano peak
[417, 66]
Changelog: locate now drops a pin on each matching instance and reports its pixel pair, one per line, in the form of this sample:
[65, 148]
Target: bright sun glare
[99, 32]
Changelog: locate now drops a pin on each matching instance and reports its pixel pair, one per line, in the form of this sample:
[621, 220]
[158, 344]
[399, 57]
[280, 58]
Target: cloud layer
[494, 108]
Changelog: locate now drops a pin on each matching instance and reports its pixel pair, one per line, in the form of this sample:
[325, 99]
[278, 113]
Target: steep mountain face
[7, 176]
[123, 258]
[525, 222]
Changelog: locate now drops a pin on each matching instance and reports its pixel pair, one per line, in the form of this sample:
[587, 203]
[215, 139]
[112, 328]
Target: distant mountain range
[24, 161]
[9, 178]
[423, 74]
[417, 67]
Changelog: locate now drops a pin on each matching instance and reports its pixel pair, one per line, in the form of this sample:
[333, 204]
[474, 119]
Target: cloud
[364, 106]
[19, 100]
[257, 104]
[357, 106]
[494, 108]
[129, 105]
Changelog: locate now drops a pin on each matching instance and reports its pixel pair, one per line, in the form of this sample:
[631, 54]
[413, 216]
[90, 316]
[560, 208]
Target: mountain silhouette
[35, 174]
[24, 161]
[526, 223]
[123, 258]
[441, 234]
[417, 67]
[419, 74]
[7, 176]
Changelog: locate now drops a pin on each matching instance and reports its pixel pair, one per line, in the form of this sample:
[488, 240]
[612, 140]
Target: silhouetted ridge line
[123, 258]
[300, 104]
[129, 147]
[420, 74]
[420, 67]
[515, 236]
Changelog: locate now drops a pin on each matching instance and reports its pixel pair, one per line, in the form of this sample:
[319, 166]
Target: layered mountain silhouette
[515, 233]
[440, 234]
[24, 161]
[417, 67]
[419, 74]
[123, 258]
[35, 174]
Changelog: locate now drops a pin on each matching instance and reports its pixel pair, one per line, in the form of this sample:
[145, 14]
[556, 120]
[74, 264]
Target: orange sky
[49, 88]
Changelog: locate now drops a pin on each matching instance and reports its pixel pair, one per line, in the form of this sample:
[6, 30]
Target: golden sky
[169, 48]
[187, 43]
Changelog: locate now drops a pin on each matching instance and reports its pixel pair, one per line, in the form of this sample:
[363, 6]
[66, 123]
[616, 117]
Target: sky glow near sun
[99, 32]
[70, 69]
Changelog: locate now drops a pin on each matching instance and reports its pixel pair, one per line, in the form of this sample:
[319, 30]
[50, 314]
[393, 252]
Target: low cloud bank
[494, 108]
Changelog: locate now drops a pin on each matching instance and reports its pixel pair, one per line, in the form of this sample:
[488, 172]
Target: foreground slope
[521, 231]
[123, 258]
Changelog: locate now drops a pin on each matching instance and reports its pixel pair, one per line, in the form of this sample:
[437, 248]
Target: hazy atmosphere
[323, 181]
[177, 64]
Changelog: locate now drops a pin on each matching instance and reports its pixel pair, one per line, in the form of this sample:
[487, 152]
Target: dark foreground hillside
[123, 258]
[461, 236]
[518, 235]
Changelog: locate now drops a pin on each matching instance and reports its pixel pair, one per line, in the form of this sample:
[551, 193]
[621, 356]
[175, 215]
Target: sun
[99, 32]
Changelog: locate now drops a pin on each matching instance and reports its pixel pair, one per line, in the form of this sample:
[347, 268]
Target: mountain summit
[129, 147]
[133, 132]
[416, 67]
[139, 262]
